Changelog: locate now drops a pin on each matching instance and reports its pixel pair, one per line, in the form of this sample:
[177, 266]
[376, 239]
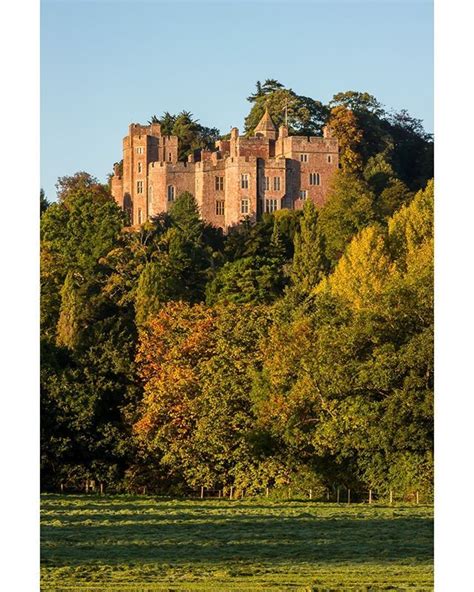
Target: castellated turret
[243, 177]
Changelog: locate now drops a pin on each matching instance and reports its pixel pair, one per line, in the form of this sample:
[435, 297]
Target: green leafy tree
[305, 115]
[309, 264]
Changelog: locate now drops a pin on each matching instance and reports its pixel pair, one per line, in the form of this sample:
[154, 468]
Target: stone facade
[243, 177]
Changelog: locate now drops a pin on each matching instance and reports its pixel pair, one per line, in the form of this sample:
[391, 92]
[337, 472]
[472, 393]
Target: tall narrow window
[139, 216]
[169, 156]
[219, 183]
[303, 157]
[303, 194]
[170, 192]
[140, 150]
[220, 207]
[314, 179]
[244, 206]
[276, 183]
[267, 183]
[244, 181]
[139, 167]
[270, 205]
[139, 186]
[329, 158]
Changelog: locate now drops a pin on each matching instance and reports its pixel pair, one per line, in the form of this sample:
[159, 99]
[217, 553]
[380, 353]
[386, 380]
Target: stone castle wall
[244, 177]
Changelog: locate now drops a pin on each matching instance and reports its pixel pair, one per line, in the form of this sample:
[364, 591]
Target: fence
[337, 494]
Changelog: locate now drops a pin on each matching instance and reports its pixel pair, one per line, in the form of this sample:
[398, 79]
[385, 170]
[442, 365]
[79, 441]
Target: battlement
[242, 177]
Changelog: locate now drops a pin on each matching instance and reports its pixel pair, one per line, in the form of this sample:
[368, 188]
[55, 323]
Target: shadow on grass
[223, 537]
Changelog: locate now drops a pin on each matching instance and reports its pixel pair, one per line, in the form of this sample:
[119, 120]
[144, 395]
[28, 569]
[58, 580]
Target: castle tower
[266, 128]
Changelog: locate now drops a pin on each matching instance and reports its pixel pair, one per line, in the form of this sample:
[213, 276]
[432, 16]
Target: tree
[309, 263]
[305, 115]
[349, 208]
[44, 203]
[191, 134]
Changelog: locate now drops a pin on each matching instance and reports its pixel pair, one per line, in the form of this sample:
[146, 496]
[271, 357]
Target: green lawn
[142, 543]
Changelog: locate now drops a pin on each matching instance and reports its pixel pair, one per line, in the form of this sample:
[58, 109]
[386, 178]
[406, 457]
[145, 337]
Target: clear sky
[107, 63]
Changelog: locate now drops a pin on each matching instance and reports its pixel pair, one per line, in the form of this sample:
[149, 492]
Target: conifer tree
[69, 314]
[308, 260]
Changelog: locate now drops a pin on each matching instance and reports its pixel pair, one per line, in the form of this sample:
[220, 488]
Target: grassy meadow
[144, 543]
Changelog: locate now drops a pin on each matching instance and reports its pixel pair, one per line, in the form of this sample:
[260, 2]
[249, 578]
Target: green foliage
[350, 207]
[191, 134]
[312, 359]
[255, 280]
[305, 115]
[309, 262]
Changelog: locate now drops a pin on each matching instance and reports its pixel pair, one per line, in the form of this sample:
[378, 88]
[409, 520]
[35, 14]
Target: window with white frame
[267, 183]
[270, 205]
[303, 157]
[219, 183]
[244, 181]
[314, 179]
[303, 194]
[220, 207]
[139, 216]
[140, 150]
[276, 183]
[244, 206]
[139, 186]
[170, 192]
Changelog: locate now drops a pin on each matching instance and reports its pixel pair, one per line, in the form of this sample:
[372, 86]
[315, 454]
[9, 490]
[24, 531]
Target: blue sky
[105, 64]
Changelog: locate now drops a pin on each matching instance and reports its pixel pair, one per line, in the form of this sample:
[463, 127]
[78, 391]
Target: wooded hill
[296, 350]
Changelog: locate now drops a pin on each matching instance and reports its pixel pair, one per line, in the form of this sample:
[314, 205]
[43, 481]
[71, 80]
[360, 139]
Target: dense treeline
[294, 351]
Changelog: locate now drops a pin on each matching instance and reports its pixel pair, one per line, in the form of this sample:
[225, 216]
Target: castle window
[314, 179]
[219, 183]
[244, 206]
[140, 150]
[169, 156]
[139, 167]
[270, 205]
[170, 192]
[329, 158]
[139, 216]
[303, 194]
[244, 181]
[267, 183]
[220, 207]
[139, 186]
[276, 183]
[303, 157]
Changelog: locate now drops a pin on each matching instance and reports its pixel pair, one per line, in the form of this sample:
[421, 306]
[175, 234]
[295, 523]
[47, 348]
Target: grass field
[141, 544]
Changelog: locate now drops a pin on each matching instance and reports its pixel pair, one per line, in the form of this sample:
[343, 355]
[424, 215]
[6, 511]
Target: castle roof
[265, 124]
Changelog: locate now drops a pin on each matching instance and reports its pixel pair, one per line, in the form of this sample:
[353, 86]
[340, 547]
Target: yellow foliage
[363, 272]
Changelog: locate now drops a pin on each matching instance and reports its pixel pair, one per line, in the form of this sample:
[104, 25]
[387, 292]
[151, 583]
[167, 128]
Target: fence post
[62, 488]
[337, 495]
[310, 494]
[327, 494]
[231, 491]
[266, 492]
[391, 497]
[348, 496]
[101, 488]
[202, 492]
[87, 485]
[417, 498]
[289, 492]
[370, 496]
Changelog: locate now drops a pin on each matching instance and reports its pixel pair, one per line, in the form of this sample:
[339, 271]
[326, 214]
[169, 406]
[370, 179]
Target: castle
[243, 178]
